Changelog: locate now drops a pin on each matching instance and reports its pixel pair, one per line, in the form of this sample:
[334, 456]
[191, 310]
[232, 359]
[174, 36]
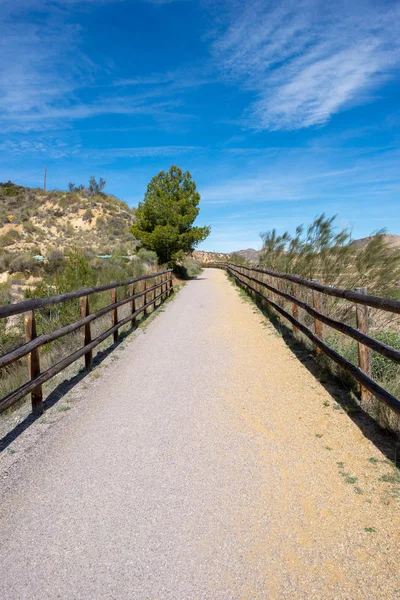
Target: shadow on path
[60, 391]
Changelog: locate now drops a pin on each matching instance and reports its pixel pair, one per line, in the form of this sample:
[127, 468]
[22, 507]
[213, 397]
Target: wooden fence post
[272, 284]
[295, 308]
[281, 300]
[316, 300]
[364, 353]
[264, 292]
[133, 304]
[156, 291]
[145, 312]
[170, 283]
[34, 363]
[114, 314]
[87, 337]
[153, 293]
[166, 287]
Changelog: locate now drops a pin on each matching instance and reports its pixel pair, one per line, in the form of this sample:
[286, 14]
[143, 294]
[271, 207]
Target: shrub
[24, 263]
[192, 267]
[8, 238]
[383, 368]
[4, 263]
[29, 227]
[55, 261]
[10, 189]
[148, 256]
[321, 252]
[87, 215]
[188, 269]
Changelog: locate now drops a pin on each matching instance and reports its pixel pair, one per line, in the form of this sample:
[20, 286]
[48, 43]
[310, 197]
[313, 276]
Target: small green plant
[373, 460]
[370, 529]
[390, 478]
[63, 408]
[358, 490]
[319, 435]
[350, 479]
[328, 448]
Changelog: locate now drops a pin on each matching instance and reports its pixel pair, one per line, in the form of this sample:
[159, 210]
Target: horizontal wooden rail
[35, 303]
[372, 301]
[164, 283]
[45, 338]
[357, 335]
[365, 380]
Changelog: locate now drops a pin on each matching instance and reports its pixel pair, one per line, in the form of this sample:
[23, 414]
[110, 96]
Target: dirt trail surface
[205, 463]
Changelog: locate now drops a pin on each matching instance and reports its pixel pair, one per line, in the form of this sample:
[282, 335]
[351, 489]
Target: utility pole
[45, 177]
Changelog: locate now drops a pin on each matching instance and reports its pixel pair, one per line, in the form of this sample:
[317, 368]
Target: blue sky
[280, 110]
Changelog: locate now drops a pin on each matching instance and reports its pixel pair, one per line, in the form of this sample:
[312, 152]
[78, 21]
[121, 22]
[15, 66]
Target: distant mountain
[249, 254]
[391, 239]
[35, 222]
[206, 257]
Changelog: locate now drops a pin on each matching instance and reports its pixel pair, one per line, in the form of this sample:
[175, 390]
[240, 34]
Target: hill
[37, 222]
[251, 255]
[392, 240]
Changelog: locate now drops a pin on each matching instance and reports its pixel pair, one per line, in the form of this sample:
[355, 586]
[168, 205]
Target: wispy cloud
[303, 174]
[53, 147]
[307, 60]
[44, 72]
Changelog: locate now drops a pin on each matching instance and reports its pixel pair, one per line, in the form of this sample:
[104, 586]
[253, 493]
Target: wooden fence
[154, 288]
[267, 287]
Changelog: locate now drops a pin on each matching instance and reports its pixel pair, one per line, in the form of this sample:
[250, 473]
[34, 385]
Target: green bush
[24, 263]
[192, 267]
[148, 256]
[88, 215]
[29, 227]
[10, 237]
[55, 260]
[188, 269]
[383, 368]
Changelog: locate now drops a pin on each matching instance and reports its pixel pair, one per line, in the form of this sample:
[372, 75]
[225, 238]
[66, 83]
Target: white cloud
[306, 61]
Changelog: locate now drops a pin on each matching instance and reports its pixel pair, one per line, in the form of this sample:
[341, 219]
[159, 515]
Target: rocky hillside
[208, 257]
[36, 222]
[249, 255]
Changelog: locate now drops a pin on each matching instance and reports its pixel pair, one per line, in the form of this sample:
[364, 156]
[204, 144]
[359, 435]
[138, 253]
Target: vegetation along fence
[274, 289]
[143, 295]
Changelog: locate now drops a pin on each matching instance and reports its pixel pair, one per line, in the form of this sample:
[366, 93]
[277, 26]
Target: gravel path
[204, 463]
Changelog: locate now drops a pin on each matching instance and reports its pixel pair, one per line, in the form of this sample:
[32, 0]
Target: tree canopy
[165, 217]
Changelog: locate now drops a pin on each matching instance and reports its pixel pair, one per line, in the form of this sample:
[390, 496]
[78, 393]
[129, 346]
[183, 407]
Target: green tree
[165, 217]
